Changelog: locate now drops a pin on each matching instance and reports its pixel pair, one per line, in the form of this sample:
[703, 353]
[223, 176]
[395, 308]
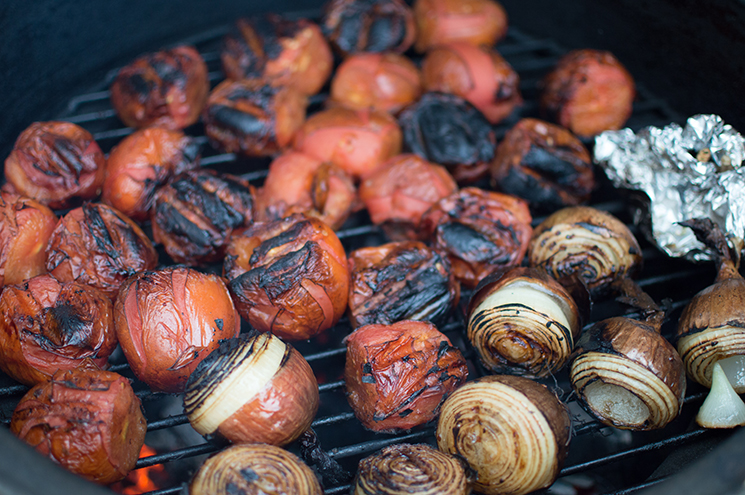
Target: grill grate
[336, 424]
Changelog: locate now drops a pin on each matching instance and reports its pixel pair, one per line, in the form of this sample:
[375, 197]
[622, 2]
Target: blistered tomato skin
[47, 326]
[168, 320]
[56, 163]
[167, 88]
[477, 22]
[397, 376]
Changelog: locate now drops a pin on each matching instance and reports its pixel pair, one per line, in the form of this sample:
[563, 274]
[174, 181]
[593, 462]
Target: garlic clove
[723, 408]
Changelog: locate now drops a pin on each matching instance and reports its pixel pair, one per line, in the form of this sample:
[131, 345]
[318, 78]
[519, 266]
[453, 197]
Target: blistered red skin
[288, 277]
[477, 74]
[88, 421]
[167, 88]
[407, 361]
[296, 54]
[380, 81]
[501, 219]
[47, 326]
[403, 189]
[56, 163]
[25, 228]
[300, 183]
[141, 163]
[440, 22]
[358, 142]
[281, 411]
[168, 320]
[588, 92]
[98, 246]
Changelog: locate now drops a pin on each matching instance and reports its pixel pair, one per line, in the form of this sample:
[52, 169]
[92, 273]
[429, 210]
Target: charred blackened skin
[195, 214]
[447, 130]
[268, 30]
[369, 26]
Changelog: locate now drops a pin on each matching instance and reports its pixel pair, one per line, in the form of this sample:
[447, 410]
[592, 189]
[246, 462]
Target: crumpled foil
[687, 172]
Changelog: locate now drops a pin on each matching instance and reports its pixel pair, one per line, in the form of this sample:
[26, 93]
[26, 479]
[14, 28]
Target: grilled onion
[523, 323]
[252, 389]
[254, 469]
[414, 469]
[589, 242]
[511, 430]
[723, 408]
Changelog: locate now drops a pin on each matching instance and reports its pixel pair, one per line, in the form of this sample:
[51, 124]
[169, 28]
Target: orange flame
[141, 480]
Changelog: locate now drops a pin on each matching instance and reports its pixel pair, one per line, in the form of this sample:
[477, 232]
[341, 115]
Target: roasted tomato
[168, 320]
[253, 117]
[478, 74]
[25, 228]
[480, 231]
[291, 52]
[299, 183]
[544, 164]
[47, 326]
[369, 26]
[378, 81]
[141, 163]
[195, 213]
[288, 277]
[97, 245]
[399, 193]
[439, 22]
[56, 163]
[397, 376]
[167, 88]
[89, 421]
[447, 130]
[356, 141]
[588, 92]
[400, 281]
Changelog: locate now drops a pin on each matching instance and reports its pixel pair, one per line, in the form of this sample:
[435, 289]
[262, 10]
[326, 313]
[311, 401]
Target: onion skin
[300, 183]
[98, 246]
[169, 320]
[358, 142]
[25, 228]
[288, 277]
[88, 421]
[354, 26]
[290, 52]
[254, 469]
[475, 73]
[480, 231]
[197, 211]
[167, 88]
[544, 164]
[47, 326]
[589, 242]
[447, 130]
[141, 163]
[588, 92]
[379, 81]
[405, 468]
[56, 163]
[276, 391]
[523, 337]
[398, 194]
[632, 355]
[441, 22]
[253, 117]
[511, 430]
[400, 281]
[397, 376]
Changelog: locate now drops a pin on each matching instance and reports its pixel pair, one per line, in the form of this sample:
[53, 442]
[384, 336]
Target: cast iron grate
[608, 458]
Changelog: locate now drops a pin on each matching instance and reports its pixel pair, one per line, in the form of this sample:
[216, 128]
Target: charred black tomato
[447, 130]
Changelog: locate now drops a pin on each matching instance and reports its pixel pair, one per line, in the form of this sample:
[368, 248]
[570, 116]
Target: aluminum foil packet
[687, 172]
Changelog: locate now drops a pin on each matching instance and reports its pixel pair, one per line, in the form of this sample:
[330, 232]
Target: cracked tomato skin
[168, 320]
[397, 376]
[288, 277]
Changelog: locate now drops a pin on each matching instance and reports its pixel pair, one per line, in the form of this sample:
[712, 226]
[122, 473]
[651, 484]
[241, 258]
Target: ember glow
[142, 480]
